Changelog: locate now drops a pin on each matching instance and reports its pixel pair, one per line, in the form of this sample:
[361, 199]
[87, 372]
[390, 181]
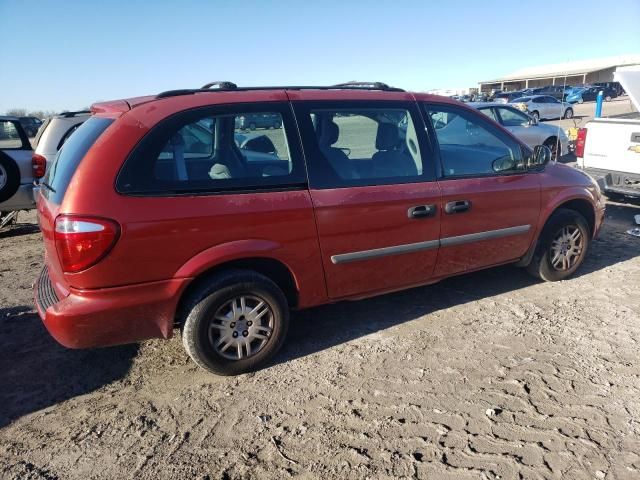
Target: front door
[490, 203]
[374, 194]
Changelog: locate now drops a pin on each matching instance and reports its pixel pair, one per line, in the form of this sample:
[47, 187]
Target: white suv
[55, 131]
[17, 169]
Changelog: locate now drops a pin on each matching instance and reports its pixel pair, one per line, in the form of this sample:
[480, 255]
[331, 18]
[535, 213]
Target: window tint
[9, 135]
[364, 147]
[469, 146]
[199, 152]
[69, 157]
[512, 118]
[539, 100]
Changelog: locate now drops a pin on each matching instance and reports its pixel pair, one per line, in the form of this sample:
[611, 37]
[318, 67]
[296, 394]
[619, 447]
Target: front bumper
[108, 316]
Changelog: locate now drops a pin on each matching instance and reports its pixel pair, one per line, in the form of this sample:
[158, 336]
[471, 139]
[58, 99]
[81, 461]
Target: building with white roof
[569, 73]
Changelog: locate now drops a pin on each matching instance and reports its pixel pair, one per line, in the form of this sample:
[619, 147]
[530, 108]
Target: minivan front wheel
[562, 247]
[235, 322]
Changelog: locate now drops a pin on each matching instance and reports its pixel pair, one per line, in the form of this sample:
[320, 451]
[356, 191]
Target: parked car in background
[615, 86]
[556, 91]
[253, 121]
[608, 149]
[55, 131]
[589, 94]
[17, 172]
[30, 125]
[506, 97]
[526, 128]
[543, 107]
[151, 222]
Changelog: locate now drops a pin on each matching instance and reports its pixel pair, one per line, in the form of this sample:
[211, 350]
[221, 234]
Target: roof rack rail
[73, 114]
[224, 85]
[367, 85]
[230, 86]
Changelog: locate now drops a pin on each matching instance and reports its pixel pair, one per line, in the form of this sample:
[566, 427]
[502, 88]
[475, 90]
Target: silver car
[543, 107]
[16, 170]
[526, 128]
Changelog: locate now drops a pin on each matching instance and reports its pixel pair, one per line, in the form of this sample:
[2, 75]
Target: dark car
[30, 125]
[615, 86]
[590, 94]
[262, 120]
[557, 91]
[157, 214]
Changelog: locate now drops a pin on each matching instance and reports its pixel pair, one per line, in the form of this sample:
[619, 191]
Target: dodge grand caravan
[154, 218]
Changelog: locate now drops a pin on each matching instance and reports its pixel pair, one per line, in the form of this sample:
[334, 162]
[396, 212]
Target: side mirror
[541, 156]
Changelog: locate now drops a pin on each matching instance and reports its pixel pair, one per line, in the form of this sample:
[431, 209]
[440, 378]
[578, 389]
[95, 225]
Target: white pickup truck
[608, 149]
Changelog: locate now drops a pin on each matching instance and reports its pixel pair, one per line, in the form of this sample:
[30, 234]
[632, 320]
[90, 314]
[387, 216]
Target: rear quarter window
[69, 157]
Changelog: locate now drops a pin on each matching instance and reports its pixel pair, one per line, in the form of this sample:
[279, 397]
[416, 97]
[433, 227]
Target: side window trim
[303, 108]
[424, 108]
[296, 180]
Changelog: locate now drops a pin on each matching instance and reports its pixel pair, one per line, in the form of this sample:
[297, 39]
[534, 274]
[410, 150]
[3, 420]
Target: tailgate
[613, 145]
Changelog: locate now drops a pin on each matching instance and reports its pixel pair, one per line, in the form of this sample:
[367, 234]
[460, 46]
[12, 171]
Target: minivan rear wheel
[235, 322]
[562, 246]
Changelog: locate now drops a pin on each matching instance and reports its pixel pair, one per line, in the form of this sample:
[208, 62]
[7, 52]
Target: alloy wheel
[566, 248]
[241, 327]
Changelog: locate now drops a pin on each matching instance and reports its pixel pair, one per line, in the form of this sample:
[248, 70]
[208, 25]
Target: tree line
[23, 112]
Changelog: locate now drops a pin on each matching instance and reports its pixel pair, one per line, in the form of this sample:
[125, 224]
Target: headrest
[331, 132]
[387, 137]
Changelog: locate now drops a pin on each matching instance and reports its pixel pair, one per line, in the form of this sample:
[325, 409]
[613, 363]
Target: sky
[67, 54]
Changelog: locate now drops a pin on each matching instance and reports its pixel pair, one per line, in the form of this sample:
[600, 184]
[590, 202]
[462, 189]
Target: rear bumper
[108, 316]
[611, 181]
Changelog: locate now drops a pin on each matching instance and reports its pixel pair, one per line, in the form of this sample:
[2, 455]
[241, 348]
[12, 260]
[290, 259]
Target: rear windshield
[69, 157]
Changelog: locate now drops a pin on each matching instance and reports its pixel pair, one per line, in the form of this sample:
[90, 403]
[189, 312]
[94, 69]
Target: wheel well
[273, 269]
[551, 139]
[584, 208]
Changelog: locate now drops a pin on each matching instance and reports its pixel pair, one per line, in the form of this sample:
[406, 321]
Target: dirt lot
[488, 375]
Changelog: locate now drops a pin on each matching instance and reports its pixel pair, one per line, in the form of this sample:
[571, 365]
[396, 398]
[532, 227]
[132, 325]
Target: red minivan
[165, 212]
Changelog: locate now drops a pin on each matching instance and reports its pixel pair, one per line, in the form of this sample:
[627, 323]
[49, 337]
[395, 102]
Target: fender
[226, 252]
[563, 195]
[555, 199]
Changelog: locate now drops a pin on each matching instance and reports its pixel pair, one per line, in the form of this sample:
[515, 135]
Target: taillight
[83, 241]
[581, 139]
[39, 165]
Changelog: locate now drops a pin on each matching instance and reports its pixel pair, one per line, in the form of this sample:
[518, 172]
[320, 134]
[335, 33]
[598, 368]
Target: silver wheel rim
[566, 248]
[241, 327]
[3, 177]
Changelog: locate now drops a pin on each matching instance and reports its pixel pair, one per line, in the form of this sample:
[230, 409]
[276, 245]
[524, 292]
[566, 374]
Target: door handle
[422, 211]
[458, 206]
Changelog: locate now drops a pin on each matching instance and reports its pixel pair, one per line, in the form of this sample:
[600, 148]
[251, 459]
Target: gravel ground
[487, 375]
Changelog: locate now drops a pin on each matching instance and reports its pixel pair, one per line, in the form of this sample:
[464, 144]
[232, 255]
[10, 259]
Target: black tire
[607, 98]
[536, 115]
[252, 126]
[568, 113]
[581, 100]
[9, 176]
[207, 300]
[541, 265]
[554, 146]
